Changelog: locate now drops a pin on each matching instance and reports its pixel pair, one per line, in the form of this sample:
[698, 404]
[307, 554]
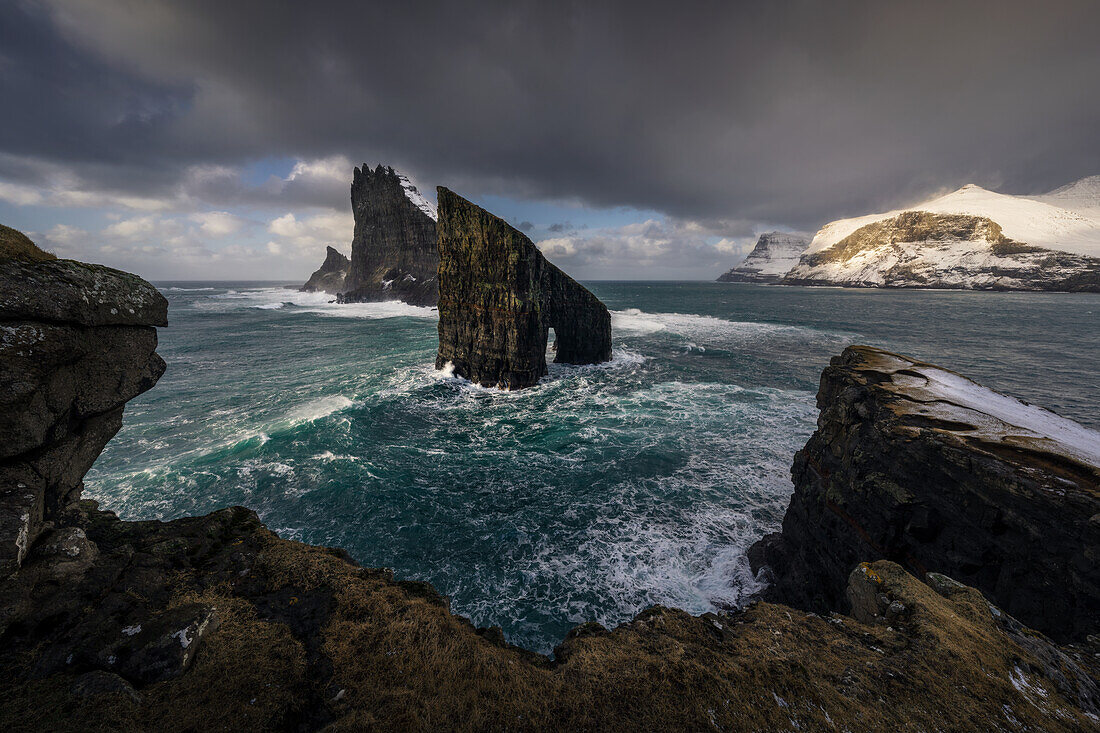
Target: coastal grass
[14, 244]
[308, 640]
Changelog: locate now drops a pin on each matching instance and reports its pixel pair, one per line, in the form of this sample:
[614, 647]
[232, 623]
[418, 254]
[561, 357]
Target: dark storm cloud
[784, 112]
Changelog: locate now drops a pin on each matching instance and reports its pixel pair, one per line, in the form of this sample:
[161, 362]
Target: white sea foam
[697, 327]
[324, 304]
[315, 410]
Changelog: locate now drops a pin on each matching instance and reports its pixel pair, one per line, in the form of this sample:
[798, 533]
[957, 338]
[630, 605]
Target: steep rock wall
[76, 342]
[393, 250]
[918, 465]
[499, 297]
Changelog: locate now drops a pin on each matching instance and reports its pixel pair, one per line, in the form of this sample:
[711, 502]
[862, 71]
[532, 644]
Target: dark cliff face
[329, 278]
[498, 298]
[76, 342]
[918, 465]
[393, 251]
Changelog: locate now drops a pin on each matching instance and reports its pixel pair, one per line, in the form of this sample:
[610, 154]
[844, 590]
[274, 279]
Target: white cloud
[218, 223]
[335, 168]
[135, 228]
[66, 234]
[308, 236]
[19, 195]
[653, 248]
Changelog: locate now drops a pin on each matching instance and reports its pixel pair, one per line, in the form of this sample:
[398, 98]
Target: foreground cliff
[393, 250]
[773, 256]
[916, 464]
[498, 298]
[330, 276]
[76, 343]
[215, 622]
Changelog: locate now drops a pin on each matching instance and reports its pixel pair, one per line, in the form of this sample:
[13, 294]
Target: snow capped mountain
[774, 254]
[1065, 219]
[971, 238]
[1082, 197]
[918, 249]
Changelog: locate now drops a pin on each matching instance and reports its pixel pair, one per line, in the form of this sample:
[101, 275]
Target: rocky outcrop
[329, 277]
[76, 342]
[498, 298]
[918, 249]
[774, 254]
[393, 251]
[921, 466]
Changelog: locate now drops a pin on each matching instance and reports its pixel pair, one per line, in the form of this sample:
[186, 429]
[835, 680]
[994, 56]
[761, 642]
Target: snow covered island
[970, 239]
[774, 254]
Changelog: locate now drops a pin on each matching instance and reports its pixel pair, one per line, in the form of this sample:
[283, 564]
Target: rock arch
[498, 298]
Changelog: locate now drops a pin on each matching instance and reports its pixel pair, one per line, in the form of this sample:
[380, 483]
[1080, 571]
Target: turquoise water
[599, 492]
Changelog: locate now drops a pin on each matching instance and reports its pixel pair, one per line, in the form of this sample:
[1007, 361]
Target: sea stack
[330, 276]
[393, 250]
[498, 298]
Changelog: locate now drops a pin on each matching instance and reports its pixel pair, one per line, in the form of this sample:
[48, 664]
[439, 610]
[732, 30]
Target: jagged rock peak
[393, 250]
[498, 298]
[329, 278]
[411, 191]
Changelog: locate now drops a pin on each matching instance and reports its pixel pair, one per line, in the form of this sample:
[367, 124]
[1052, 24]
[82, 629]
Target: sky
[205, 139]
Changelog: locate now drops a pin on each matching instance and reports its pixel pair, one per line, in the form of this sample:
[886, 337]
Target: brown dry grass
[400, 660]
[14, 244]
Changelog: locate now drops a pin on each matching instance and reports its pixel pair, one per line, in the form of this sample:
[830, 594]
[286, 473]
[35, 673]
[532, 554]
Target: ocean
[602, 491]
